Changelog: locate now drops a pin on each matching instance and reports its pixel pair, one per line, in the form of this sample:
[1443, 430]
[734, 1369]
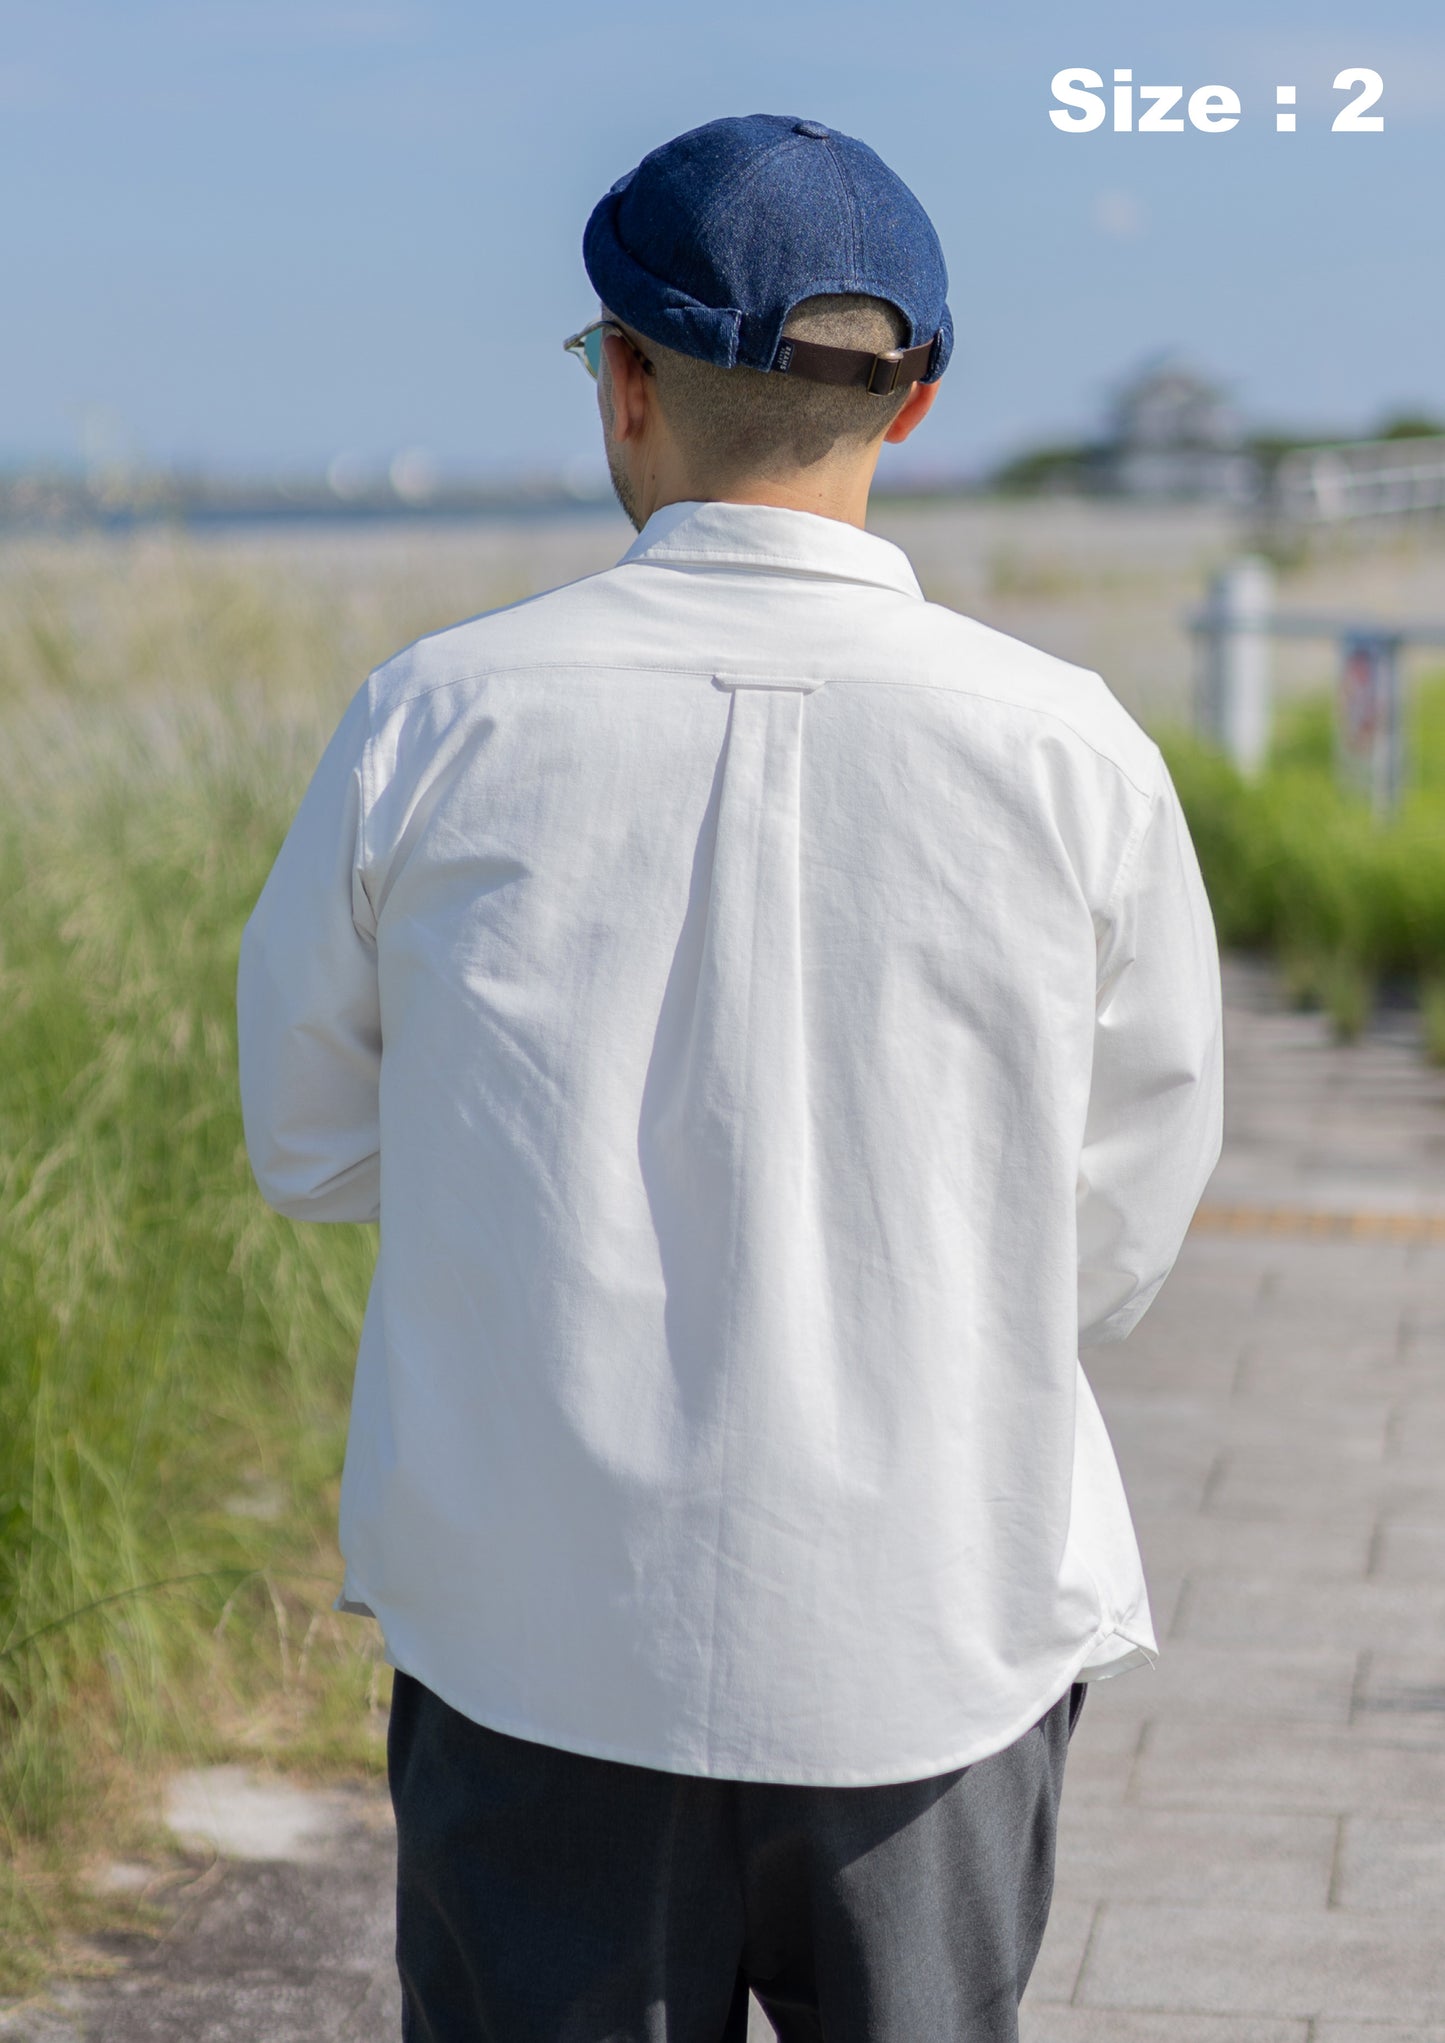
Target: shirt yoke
[892, 641]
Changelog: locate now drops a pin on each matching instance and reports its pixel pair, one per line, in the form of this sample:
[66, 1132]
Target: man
[777, 1022]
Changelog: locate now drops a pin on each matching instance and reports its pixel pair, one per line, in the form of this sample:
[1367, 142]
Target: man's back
[800, 1012]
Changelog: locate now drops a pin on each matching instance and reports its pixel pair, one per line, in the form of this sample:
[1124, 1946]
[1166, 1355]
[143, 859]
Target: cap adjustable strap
[880, 374]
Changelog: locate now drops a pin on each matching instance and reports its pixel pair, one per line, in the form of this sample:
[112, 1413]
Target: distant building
[1173, 437]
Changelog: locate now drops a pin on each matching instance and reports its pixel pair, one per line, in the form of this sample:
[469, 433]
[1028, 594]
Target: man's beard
[622, 488]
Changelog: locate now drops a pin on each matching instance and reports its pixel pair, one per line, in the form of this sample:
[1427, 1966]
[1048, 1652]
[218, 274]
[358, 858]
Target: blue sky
[261, 233]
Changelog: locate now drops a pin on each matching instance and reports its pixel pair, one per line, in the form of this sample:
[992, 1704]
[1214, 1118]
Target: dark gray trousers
[545, 1897]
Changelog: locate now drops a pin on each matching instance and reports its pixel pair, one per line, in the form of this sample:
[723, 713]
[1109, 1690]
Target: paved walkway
[1253, 1841]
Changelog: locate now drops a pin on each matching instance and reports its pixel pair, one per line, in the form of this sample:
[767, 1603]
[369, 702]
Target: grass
[1297, 868]
[175, 1359]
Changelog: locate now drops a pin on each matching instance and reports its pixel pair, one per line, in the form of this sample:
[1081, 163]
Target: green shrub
[1300, 868]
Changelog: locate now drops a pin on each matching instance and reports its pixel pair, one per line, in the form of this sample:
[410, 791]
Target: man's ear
[916, 407]
[631, 396]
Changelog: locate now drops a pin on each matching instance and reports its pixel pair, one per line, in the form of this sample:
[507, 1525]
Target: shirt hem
[1084, 1666]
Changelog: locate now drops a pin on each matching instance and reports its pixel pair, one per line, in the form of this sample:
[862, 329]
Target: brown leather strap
[881, 374]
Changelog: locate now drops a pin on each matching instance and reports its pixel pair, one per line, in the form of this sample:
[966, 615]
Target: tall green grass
[175, 1359]
[1301, 869]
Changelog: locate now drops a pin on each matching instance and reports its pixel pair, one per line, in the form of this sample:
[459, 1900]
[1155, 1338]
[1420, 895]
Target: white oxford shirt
[776, 1020]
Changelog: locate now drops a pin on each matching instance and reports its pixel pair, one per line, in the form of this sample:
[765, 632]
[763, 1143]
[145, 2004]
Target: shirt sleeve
[1155, 1118]
[308, 1011]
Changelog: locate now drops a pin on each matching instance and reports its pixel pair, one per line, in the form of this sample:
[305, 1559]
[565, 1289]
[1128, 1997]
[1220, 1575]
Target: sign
[1369, 734]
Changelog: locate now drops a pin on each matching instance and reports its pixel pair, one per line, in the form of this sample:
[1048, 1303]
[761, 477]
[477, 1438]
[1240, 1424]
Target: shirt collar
[779, 541]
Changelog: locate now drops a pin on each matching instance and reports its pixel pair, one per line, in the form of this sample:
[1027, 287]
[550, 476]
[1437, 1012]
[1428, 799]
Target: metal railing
[1363, 479]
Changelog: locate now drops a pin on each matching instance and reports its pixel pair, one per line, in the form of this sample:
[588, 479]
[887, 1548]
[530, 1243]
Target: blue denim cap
[711, 241]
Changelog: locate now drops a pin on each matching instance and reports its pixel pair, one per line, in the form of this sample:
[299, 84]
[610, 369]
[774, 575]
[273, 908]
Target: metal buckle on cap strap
[879, 384]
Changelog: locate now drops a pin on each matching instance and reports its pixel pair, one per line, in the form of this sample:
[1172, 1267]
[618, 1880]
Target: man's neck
[845, 499]
[843, 496]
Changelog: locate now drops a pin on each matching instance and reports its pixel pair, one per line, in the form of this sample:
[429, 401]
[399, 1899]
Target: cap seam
[850, 218]
[736, 183]
[746, 174]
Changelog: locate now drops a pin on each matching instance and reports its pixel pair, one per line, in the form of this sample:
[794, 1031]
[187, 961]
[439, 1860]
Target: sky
[276, 235]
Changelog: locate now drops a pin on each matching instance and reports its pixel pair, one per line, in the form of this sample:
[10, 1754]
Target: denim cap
[711, 241]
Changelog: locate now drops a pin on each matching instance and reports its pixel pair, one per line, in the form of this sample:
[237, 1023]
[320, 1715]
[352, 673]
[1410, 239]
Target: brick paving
[1253, 1836]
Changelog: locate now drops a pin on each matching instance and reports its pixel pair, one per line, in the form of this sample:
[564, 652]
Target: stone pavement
[1253, 1835]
